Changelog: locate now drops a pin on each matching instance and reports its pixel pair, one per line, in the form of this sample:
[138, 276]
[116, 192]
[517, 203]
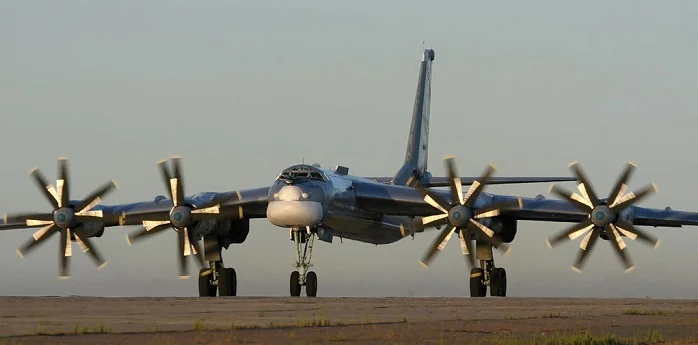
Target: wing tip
[630, 269]
[547, 243]
[63, 277]
[19, 252]
[656, 244]
[633, 164]
[578, 270]
[62, 158]
[655, 188]
[421, 263]
[183, 277]
[572, 163]
[116, 185]
[128, 240]
[103, 265]
[33, 170]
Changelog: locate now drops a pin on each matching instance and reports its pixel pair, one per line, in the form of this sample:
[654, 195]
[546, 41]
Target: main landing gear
[487, 274]
[301, 276]
[217, 277]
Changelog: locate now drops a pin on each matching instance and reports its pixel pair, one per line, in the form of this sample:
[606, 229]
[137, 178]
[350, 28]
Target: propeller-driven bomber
[313, 202]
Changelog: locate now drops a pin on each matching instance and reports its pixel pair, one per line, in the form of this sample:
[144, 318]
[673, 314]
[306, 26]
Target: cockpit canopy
[302, 172]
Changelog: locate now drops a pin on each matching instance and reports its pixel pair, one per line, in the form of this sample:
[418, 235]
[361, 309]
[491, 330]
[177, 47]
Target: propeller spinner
[65, 219]
[605, 216]
[460, 214]
[181, 217]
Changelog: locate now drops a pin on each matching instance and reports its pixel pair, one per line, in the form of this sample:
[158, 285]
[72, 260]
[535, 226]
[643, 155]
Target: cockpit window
[302, 172]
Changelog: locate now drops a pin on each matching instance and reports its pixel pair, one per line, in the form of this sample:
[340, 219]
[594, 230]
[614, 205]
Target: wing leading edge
[468, 180]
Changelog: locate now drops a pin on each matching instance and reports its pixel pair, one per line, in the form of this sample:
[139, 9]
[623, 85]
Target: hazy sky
[243, 89]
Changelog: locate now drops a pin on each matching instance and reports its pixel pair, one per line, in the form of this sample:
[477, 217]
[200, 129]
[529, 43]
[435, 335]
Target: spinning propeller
[606, 217]
[65, 219]
[181, 217]
[461, 214]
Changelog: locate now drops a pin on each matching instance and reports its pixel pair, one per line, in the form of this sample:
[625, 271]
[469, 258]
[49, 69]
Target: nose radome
[290, 193]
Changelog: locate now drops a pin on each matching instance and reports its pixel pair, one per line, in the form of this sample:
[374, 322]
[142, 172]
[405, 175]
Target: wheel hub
[63, 217]
[459, 216]
[180, 216]
[602, 216]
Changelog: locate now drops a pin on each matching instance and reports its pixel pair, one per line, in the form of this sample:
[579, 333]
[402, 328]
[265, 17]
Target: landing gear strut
[216, 277]
[304, 238]
[487, 274]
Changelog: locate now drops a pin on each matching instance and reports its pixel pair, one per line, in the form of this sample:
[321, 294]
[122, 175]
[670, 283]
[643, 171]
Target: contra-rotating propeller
[65, 219]
[606, 216]
[461, 214]
[181, 217]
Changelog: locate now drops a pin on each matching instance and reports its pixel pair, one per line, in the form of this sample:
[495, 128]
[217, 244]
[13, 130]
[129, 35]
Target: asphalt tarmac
[303, 320]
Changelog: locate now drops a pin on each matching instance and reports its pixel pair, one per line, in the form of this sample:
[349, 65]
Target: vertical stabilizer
[415, 166]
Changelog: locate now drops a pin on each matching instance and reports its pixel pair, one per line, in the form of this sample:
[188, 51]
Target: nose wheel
[304, 240]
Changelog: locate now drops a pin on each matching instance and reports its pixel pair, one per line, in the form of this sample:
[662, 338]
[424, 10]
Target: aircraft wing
[249, 203]
[468, 180]
[408, 201]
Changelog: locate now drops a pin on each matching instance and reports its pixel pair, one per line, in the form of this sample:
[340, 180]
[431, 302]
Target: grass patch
[641, 312]
[584, 339]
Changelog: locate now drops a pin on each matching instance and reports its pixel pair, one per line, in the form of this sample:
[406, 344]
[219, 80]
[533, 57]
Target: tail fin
[415, 166]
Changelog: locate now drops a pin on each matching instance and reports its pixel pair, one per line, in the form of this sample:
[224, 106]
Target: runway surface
[252, 320]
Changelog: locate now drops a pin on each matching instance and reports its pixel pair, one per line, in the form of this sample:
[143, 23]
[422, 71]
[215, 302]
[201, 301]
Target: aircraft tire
[295, 285]
[477, 289]
[227, 282]
[206, 289]
[311, 284]
[498, 282]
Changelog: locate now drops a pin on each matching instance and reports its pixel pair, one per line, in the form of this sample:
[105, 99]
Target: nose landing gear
[304, 240]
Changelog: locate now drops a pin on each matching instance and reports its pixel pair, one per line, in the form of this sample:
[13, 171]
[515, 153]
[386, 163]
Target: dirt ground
[250, 320]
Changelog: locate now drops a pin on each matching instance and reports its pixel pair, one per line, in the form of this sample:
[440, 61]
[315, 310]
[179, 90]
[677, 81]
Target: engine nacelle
[508, 230]
[229, 231]
[90, 229]
[505, 227]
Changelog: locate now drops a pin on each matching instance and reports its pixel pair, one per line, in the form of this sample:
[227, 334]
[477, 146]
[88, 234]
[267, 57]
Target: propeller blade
[45, 187]
[467, 248]
[62, 184]
[91, 250]
[633, 197]
[435, 219]
[586, 247]
[31, 219]
[490, 236]
[436, 245]
[571, 233]
[620, 246]
[455, 182]
[434, 199]
[582, 177]
[198, 253]
[478, 185]
[65, 252]
[574, 198]
[183, 271]
[144, 232]
[621, 184]
[39, 237]
[496, 209]
[95, 197]
[629, 230]
[179, 185]
[167, 177]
